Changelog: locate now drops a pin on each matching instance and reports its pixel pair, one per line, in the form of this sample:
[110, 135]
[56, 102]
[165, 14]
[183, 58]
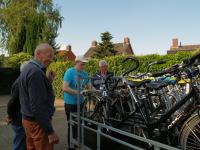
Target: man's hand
[53, 138]
[51, 75]
[8, 119]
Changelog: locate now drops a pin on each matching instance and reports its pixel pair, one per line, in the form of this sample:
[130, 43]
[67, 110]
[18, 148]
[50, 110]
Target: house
[121, 48]
[65, 53]
[175, 47]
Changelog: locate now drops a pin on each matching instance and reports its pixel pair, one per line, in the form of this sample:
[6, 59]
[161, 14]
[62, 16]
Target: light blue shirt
[71, 76]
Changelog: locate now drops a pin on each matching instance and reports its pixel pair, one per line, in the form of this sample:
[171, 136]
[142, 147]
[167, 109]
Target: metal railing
[99, 133]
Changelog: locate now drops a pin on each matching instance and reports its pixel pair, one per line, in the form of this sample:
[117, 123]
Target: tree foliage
[2, 60]
[106, 47]
[16, 60]
[26, 23]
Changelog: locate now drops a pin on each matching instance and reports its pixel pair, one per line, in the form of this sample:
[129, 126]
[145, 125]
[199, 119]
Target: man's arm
[67, 89]
[13, 105]
[38, 102]
[10, 111]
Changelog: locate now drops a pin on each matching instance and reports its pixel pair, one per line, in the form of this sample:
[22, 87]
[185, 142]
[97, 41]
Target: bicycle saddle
[138, 83]
[156, 85]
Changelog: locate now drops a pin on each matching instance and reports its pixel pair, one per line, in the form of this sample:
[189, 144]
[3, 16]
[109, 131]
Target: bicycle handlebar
[166, 71]
[193, 58]
[135, 60]
[161, 62]
[176, 68]
[149, 65]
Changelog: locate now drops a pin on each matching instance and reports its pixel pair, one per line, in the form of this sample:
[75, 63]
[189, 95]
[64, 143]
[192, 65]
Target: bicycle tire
[189, 138]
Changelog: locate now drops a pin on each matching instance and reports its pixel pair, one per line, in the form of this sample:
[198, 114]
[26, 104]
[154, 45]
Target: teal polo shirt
[71, 76]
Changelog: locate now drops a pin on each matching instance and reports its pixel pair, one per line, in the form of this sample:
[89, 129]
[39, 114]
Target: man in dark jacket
[15, 118]
[98, 80]
[37, 101]
[14, 115]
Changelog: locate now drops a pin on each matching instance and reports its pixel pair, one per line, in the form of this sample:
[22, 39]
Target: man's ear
[38, 53]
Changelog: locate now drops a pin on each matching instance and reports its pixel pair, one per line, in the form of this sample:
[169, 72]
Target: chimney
[69, 48]
[94, 43]
[174, 43]
[126, 40]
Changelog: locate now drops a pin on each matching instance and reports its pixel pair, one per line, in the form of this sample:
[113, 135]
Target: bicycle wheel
[89, 106]
[128, 107]
[115, 111]
[190, 134]
[95, 109]
[100, 114]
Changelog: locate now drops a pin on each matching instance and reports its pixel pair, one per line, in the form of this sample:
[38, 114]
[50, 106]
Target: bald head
[44, 54]
[42, 47]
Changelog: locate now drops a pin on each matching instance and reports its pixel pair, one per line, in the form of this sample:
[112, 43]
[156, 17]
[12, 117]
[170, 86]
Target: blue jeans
[19, 141]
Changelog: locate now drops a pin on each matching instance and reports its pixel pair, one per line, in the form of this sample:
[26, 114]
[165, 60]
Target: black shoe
[71, 148]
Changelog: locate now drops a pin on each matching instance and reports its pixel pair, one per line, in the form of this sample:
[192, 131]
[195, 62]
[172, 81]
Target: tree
[106, 47]
[1, 60]
[26, 23]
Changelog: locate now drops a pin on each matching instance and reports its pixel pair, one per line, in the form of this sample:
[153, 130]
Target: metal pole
[78, 113]
[156, 148]
[70, 130]
[98, 138]
[82, 132]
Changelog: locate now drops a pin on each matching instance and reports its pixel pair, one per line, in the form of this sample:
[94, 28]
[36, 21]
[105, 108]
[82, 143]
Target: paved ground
[59, 122]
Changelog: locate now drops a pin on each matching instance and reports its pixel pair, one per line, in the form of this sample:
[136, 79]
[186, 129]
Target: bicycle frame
[155, 123]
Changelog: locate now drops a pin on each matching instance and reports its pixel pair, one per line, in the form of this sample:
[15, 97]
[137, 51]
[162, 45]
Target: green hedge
[116, 65]
[15, 60]
[59, 68]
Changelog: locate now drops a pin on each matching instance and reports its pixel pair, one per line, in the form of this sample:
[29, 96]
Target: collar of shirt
[37, 63]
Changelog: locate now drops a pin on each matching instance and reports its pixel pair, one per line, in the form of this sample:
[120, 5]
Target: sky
[150, 24]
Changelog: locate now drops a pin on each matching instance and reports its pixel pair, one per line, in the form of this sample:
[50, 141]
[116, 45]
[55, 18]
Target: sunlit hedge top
[115, 65]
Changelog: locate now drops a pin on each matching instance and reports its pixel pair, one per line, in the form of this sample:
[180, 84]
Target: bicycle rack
[99, 130]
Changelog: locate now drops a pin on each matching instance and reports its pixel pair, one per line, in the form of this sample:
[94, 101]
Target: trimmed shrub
[15, 60]
[116, 65]
[59, 68]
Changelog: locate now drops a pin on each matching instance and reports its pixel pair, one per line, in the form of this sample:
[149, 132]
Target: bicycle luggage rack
[87, 125]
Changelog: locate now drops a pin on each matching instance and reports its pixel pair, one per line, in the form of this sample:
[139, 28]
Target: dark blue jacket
[36, 96]
[13, 107]
[98, 78]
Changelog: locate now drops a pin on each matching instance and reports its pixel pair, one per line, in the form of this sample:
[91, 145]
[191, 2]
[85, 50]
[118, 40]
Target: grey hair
[23, 65]
[42, 47]
[103, 63]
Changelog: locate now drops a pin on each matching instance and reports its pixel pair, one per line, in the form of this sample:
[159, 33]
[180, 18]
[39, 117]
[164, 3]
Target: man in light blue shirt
[71, 89]
[70, 86]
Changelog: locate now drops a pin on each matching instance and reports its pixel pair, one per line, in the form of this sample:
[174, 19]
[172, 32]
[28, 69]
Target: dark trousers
[70, 108]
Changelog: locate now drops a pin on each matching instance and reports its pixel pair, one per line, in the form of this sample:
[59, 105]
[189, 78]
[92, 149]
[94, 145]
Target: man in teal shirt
[70, 86]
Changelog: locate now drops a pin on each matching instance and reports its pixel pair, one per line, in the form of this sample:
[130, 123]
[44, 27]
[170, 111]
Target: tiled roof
[90, 52]
[175, 51]
[186, 47]
[183, 48]
[121, 48]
